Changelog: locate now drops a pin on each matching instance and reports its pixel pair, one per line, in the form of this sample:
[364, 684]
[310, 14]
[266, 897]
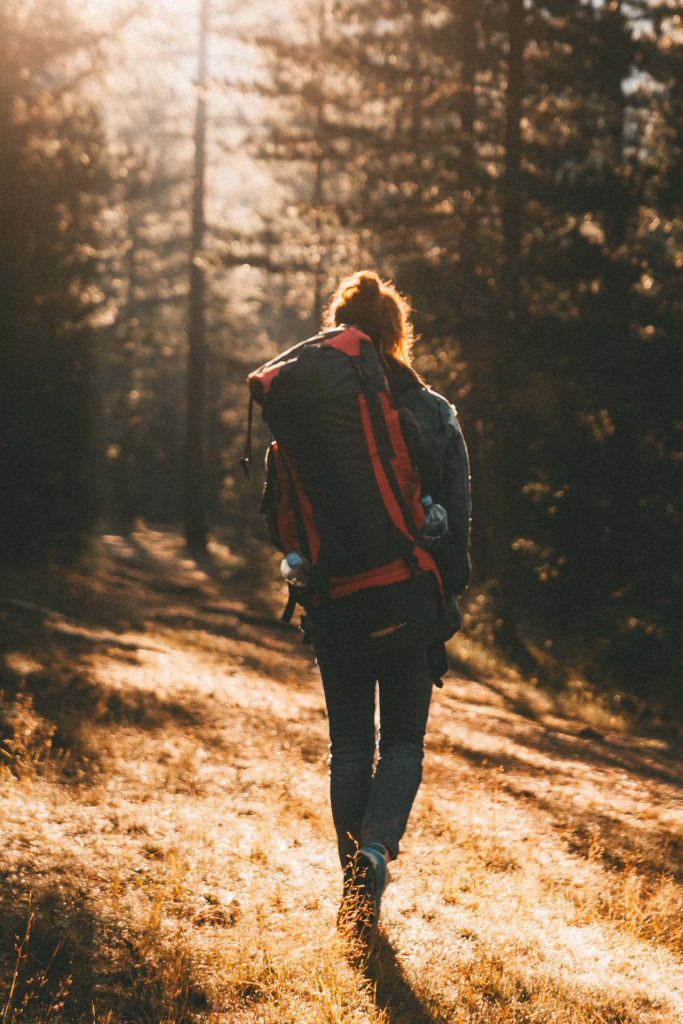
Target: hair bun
[369, 285]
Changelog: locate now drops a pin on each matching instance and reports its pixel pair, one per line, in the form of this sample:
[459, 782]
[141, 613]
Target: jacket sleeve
[440, 429]
[424, 457]
[457, 495]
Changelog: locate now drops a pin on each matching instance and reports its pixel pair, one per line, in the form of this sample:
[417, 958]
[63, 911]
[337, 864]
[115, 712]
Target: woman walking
[368, 497]
[370, 808]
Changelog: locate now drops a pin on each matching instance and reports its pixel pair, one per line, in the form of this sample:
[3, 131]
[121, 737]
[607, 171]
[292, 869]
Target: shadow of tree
[563, 758]
[178, 573]
[560, 761]
[66, 963]
[47, 948]
[55, 698]
[50, 700]
[568, 740]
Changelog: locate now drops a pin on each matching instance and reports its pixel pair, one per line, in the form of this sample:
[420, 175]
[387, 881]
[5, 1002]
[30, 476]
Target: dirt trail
[174, 845]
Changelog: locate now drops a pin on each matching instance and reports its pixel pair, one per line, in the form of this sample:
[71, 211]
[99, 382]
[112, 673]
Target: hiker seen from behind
[367, 496]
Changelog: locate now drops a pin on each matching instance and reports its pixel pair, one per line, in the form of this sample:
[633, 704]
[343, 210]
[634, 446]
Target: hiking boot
[365, 880]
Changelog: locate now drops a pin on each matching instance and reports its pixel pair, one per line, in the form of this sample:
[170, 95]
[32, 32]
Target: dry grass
[168, 854]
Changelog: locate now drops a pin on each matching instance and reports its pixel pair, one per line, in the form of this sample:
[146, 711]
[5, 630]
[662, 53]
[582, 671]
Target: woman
[371, 809]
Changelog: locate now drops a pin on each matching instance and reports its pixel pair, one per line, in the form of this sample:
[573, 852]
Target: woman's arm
[457, 497]
[440, 431]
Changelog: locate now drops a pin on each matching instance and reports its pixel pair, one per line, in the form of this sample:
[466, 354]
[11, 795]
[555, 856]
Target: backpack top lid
[328, 364]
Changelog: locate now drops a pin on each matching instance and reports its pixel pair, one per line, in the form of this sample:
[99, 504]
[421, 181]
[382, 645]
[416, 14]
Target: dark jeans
[374, 807]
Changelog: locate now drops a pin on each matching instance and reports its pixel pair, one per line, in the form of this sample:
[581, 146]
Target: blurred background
[183, 183]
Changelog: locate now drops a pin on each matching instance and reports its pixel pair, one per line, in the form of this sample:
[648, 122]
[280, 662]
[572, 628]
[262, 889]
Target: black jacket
[441, 455]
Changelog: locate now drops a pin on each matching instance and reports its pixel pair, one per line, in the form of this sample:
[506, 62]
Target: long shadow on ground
[569, 742]
[659, 848]
[51, 698]
[392, 991]
[62, 961]
[491, 985]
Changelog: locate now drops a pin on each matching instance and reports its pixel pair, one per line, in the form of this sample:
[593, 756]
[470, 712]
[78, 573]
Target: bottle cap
[293, 559]
[426, 500]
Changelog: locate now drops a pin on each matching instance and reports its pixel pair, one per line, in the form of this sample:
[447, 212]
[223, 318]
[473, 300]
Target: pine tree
[52, 179]
[306, 140]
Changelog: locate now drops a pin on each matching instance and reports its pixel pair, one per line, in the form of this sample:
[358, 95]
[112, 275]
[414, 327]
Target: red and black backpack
[342, 490]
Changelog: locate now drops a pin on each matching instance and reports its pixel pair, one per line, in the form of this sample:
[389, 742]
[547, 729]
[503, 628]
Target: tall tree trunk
[319, 175]
[506, 353]
[467, 171]
[473, 343]
[512, 184]
[416, 98]
[195, 438]
[319, 272]
[126, 493]
[622, 352]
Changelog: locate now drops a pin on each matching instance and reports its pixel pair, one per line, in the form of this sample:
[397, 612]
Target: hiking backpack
[342, 490]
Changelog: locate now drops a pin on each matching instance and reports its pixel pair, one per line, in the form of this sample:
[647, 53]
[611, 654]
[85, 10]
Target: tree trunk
[467, 172]
[506, 353]
[473, 340]
[512, 184]
[126, 493]
[622, 347]
[319, 175]
[195, 438]
[416, 97]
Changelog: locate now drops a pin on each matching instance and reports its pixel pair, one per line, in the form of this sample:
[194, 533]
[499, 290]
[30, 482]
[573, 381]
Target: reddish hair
[379, 309]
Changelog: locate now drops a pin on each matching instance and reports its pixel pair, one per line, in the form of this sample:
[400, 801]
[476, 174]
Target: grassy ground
[168, 854]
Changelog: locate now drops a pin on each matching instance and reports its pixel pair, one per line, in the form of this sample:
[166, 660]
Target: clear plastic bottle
[296, 569]
[435, 524]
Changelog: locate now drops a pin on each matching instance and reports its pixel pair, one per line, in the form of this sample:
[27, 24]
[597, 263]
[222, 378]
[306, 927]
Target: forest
[182, 186]
[516, 167]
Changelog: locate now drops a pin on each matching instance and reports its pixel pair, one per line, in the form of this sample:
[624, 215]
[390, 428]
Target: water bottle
[435, 524]
[296, 569]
